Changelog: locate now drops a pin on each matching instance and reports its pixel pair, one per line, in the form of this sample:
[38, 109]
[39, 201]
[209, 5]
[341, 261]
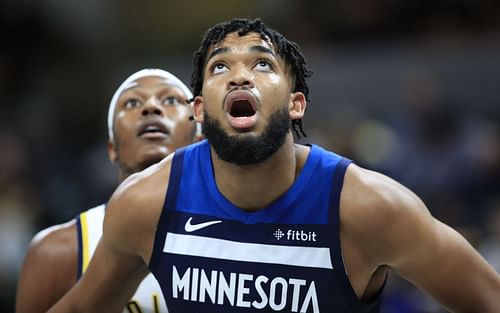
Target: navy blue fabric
[305, 218]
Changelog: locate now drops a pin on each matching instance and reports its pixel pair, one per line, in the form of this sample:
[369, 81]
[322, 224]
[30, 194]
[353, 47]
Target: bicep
[120, 260]
[117, 267]
[38, 286]
[438, 259]
[48, 271]
[111, 274]
[392, 227]
[110, 280]
[447, 267]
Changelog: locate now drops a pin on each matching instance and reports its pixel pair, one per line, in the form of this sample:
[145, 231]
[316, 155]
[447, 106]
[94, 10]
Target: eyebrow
[216, 52]
[262, 49]
[252, 49]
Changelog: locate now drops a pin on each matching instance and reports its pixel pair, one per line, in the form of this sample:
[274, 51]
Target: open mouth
[153, 129]
[241, 109]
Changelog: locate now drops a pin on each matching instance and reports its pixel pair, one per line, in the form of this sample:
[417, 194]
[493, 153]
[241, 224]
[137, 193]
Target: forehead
[233, 41]
[152, 84]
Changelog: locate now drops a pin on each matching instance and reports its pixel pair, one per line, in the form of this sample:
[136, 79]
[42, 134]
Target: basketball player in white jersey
[148, 118]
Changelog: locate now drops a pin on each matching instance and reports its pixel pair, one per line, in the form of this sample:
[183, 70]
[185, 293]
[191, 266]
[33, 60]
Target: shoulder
[372, 194]
[55, 243]
[59, 241]
[379, 213]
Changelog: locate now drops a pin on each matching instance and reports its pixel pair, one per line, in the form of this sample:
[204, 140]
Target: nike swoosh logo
[188, 227]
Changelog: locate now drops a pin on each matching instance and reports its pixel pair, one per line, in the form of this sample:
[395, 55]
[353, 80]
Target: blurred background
[409, 88]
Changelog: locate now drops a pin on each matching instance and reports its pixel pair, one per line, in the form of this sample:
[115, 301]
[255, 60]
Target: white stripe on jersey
[247, 252]
[92, 221]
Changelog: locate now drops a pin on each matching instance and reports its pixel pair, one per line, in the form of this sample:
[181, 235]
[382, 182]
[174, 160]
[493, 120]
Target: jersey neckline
[276, 207]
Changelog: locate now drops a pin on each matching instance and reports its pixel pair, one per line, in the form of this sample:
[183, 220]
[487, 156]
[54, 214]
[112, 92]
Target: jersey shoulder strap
[89, 231]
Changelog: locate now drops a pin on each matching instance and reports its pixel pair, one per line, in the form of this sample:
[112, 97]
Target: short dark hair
[288, 50]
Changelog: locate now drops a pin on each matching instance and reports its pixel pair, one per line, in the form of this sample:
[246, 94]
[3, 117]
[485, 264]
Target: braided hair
[288, 50]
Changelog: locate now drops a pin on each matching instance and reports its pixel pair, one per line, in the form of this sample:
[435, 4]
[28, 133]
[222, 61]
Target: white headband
[140, 74]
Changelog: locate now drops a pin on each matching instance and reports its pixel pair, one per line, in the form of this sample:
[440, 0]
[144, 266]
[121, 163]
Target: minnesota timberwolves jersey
[148, 297]
[211, 256]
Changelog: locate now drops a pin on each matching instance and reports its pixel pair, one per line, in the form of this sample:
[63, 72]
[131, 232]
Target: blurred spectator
[18, 211]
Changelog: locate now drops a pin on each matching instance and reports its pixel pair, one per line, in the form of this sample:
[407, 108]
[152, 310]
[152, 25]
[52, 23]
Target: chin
[244, 134]
[251, 147]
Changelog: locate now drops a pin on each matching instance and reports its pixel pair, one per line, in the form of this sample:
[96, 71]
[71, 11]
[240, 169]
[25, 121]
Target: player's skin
[383, 225]
[151, 120]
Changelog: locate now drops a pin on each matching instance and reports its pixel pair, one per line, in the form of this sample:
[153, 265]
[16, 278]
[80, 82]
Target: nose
[242, 77]
[152, 106]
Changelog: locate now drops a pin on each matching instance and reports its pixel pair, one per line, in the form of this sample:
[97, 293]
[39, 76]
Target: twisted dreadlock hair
[288, 50]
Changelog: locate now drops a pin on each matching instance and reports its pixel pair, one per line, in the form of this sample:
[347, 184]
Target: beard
[246, 149]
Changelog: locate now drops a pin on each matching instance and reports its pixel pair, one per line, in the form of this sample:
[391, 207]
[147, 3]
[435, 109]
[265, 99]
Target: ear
[198, 109]
[113, 156]
[297, 105]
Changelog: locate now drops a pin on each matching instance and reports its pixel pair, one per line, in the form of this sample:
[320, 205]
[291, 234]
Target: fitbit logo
[295, 235]
[278, 234]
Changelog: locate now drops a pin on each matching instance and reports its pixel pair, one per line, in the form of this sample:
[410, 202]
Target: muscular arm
[385, 224]
[120, 261]
[49, 268]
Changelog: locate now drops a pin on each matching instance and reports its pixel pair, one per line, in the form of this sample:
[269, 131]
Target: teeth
[151, 129]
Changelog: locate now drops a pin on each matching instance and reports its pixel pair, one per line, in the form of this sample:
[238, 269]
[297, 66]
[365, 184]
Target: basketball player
[274, 226]
[148, 118]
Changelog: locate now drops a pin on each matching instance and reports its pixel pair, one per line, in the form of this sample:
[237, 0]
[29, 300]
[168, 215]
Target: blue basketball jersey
[211, 256]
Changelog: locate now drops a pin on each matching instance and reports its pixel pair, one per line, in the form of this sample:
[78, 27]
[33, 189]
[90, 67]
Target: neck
[125, 171]
[122, 175]
[253, 187]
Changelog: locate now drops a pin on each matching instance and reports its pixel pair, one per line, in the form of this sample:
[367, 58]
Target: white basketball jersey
[148, 297]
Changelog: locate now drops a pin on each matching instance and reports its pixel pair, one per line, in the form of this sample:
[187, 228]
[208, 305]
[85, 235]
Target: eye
[171, 100]
[264, 66]
[132, 103]
[219, 68]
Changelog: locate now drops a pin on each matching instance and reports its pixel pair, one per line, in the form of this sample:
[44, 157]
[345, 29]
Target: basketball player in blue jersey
[249, 221]
[148, 118]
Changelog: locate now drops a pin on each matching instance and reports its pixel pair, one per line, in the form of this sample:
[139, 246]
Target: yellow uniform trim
[85, 242]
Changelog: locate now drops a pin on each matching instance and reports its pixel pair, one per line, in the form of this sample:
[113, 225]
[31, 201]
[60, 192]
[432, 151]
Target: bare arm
[110, 281]
[393, 227]
[120, 261]
[49, 269]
